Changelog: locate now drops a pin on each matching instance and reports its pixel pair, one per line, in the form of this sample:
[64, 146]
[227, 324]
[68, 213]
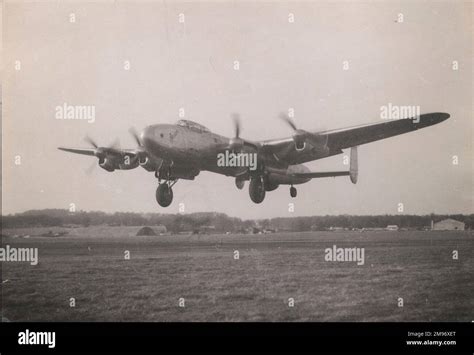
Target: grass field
[89, 265]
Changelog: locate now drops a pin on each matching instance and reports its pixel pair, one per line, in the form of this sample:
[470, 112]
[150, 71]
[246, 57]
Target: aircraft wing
[355, 136]
[102, 151]
[321, 174]
[112, 159]
[331, 142]
[83, 151]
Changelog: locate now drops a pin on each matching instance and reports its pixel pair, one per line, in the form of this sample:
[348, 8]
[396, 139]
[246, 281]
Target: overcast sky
[282, 65]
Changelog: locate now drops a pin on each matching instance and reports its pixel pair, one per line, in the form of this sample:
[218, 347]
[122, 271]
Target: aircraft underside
[258, 187]
[261, 181]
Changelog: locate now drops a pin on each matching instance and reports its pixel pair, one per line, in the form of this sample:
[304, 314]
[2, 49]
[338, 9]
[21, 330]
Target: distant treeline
[173, 222]
[219, 222]
[358, 222]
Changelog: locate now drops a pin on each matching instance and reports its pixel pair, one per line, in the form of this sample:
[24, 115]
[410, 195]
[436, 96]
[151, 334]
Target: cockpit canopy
[192, 125]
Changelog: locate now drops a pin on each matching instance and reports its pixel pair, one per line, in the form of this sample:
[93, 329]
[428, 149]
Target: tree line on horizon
[220, 222]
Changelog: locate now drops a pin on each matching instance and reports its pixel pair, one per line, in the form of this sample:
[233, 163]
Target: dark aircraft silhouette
[182, 150]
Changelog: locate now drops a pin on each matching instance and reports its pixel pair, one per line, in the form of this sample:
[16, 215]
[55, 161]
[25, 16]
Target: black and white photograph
[239, 163]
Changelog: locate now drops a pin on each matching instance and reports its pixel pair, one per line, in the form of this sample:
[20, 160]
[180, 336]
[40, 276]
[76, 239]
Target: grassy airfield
[90, 265]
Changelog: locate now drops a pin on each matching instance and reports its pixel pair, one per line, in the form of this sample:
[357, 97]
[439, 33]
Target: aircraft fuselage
[199, 149]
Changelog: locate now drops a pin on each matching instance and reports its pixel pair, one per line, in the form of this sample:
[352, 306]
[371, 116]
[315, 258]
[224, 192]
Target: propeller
[115, 144]
[91, 142]
[236, 119]
[288, 120]
[301, 135]
[236, 143]
[140, 151]
[135, 136]
[100, 152]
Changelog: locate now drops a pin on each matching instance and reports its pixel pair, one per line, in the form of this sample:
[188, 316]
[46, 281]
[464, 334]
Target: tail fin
[354, 168]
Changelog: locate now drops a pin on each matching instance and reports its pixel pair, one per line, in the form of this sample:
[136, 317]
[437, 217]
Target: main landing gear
[164, 192]
[293, 191]
[257, 189]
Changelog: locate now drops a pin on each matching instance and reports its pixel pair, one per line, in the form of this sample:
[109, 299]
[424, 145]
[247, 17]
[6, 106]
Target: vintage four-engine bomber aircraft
[182, 150]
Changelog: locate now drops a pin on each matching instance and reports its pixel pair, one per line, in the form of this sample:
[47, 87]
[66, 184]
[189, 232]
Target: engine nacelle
[128, 163]
[107, 164]
[147, 164]
[300, 142]
[236, 144]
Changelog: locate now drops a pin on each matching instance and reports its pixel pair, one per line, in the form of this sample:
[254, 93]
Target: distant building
[448, 225]
[392, 227]
[152, 231]
[146, 231]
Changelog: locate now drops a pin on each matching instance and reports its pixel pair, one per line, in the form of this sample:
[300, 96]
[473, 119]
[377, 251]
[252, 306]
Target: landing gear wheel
[257, 189]
[164, 195]
[293, 191]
